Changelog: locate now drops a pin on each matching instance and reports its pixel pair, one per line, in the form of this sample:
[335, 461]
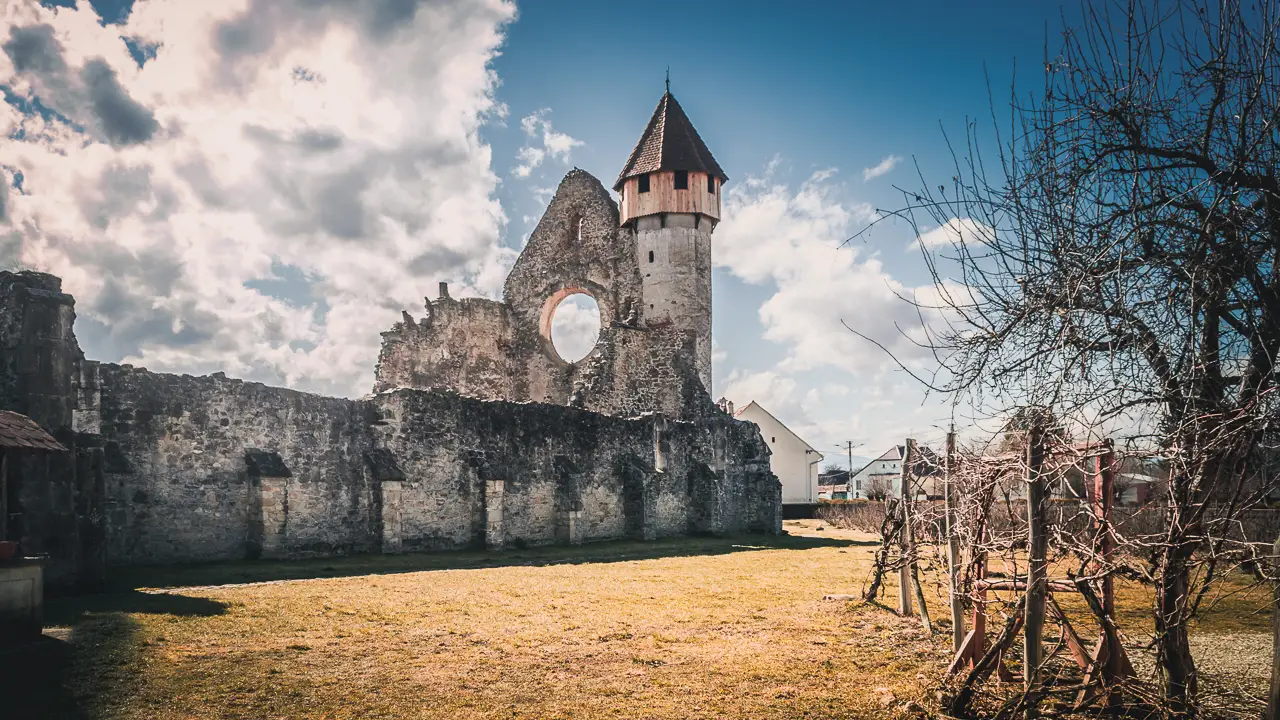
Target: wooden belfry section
[1106, 666]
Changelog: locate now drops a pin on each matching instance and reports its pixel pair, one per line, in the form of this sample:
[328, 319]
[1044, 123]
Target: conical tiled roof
[669, 142]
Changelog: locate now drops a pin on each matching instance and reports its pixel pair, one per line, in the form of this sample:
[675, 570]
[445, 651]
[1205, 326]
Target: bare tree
[877, 489]
[1115, 259]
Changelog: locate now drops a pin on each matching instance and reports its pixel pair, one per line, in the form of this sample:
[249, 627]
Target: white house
[794, 461]
[883, 476]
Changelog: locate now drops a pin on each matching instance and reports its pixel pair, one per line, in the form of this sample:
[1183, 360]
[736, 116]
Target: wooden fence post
[1037, 550]
[904, 569]
[1273, 700]
[1104, 492]
[953, 548]
[908, 457]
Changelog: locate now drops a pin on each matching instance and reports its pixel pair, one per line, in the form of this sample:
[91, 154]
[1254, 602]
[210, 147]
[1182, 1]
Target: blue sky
[821, 85]
[430, 108]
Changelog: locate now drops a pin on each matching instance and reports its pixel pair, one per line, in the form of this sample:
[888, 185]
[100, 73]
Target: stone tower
[670, 190]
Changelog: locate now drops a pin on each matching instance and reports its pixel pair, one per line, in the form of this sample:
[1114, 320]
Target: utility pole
[849, 445]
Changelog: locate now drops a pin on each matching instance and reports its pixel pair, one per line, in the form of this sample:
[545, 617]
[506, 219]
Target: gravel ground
[1235, 671]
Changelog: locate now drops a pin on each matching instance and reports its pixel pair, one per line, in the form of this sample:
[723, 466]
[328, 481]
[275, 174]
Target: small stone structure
[477, 434]
[21, 578]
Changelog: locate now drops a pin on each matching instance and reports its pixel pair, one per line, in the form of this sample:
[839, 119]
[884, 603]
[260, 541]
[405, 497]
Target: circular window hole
[575, 327]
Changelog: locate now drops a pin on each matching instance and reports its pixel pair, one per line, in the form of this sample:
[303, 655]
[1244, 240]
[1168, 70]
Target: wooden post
[904, 571]
[1273, 701]
[1104, 494]
[1037, 550]
[908, 456]
[953, 549]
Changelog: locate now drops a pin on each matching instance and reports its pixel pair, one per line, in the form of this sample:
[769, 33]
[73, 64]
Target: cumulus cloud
[774, 392]
[575, 327]
[830, 385]
[793, 241]
[952, 232]
[256, 186]
[542, 142]
[883, 168]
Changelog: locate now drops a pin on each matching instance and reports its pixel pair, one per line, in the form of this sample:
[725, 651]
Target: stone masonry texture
[642, 361]
[477, 434]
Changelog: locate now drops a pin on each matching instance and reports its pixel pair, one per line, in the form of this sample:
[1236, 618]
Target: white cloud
[886, 165]
[774, 392]
[830, 385]
[575, 327]
[268, 191]
[794, 240]
[544, 142]
[953, 231]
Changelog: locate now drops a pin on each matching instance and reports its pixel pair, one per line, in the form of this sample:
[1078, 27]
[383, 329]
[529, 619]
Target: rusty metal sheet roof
[19, 432]
[669, 142]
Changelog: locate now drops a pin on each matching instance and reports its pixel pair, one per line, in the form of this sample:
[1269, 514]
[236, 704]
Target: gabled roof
[760, 407]
[927, 462]
[669, 142]
[19, 432]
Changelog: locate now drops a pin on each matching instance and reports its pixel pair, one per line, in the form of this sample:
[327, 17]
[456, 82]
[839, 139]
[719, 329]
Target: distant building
[794, 461]
[833, 485]
[882, 477]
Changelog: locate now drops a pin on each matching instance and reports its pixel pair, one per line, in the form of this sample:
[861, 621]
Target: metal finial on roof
[668, 78]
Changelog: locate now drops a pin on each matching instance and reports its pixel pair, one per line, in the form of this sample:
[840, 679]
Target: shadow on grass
[72, 610]
[66, 678]
[226, 573]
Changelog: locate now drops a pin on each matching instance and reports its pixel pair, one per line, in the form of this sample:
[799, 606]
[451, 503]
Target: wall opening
[682, 180]
[574, 325]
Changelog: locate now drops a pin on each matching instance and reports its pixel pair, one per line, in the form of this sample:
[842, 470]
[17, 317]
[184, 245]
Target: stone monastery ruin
[477, 433]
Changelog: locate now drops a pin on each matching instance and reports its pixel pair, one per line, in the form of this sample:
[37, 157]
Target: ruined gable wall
[642, 357]
[576, 247]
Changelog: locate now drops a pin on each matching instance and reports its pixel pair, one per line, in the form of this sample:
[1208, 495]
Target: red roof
[19, 432]
[669, 142]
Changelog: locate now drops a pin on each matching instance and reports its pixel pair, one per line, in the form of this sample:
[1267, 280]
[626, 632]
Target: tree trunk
[1172, 640]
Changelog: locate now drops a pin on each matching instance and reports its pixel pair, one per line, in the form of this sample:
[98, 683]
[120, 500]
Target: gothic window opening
[682, 179]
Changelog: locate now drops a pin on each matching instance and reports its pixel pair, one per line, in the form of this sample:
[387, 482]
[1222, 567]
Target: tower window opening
[642, 184]
[711, 184]
[682, 179]
[650, 256]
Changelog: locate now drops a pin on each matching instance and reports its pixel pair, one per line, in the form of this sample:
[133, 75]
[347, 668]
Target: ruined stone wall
[173, 468]
[643, 360]
[180, 487]
[177, 485]
[461, 344]
[54, 501]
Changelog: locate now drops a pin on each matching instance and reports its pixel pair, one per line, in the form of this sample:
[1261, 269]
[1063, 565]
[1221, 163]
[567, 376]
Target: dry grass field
[681, 628]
